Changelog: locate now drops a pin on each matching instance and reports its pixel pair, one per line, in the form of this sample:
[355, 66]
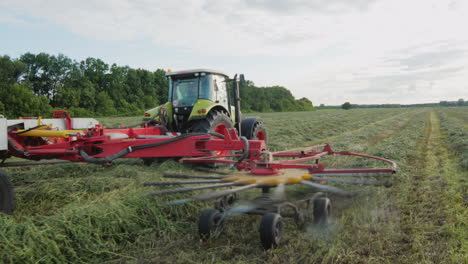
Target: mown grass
[455, 126]
[82, 213]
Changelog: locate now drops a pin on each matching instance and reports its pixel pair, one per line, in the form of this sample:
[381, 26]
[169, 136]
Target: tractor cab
[192, 95]
[186, 88]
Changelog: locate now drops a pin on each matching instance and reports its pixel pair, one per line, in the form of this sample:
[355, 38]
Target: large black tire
[7, 194]
[213, 122]
[322, 210]
[253, 129]
[271, 230]
[210, 223]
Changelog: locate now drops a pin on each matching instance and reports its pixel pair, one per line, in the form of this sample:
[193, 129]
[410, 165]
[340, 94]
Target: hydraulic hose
[124, 152]
[31, 129]
[245, 154]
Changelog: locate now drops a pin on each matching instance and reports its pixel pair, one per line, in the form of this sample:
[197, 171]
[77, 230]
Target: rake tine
[352, 181]
[180, 201]
[327, 188]
[181, 182]
[212, 171]
[190, 189]
[278, 193]
[217, 194]
[186, 176]
[371, 174]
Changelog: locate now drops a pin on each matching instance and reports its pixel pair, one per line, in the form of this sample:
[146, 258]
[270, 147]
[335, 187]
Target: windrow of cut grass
[454, 153]
[289, 130]
[454, 123]
[430, 202]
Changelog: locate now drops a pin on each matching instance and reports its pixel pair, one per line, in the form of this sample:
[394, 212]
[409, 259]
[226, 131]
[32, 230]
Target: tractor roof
[195, 71]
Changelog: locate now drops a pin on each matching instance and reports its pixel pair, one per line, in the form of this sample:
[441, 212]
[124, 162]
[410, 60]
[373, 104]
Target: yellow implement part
[288, 176]
[48, 133]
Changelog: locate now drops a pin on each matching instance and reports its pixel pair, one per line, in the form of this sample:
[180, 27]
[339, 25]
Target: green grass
[83, 213]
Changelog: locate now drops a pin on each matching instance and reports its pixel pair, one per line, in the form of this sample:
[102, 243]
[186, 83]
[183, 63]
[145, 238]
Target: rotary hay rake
[265, 173]
[256, 167]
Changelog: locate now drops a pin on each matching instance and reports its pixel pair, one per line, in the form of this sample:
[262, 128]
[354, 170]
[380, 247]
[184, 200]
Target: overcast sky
[330, 51]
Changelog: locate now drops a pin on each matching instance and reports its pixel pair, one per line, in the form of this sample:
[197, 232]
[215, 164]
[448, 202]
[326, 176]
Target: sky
[330, 51]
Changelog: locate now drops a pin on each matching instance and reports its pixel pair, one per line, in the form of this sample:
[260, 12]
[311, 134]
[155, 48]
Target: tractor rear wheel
[7, 194]
[215, 121]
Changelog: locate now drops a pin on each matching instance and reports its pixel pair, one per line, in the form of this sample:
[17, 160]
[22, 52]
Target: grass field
[83, 213]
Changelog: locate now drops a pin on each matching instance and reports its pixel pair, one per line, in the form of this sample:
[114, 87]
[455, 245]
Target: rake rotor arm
[348, 153]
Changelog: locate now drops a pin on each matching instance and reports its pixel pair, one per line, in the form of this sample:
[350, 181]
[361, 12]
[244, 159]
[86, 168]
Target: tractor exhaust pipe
[237, 104]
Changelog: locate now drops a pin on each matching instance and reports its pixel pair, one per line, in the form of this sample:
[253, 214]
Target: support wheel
[210, 223]
[271, 230]
[7, 194]
[322, 210]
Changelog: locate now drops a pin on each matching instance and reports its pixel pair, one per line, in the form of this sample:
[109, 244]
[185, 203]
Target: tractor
[200, 100]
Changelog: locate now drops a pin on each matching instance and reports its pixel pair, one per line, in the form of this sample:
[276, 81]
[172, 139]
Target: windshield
[185, 92]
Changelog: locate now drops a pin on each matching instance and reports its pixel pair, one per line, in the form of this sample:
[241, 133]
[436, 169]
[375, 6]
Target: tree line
[270, 99]
[347, 105]
[36, 84]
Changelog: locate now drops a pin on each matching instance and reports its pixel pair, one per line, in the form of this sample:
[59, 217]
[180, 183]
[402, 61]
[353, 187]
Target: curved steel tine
[279, 192]
[212, 171]
[190, 189]
[187, 176]
[327, 188]
[181, 182]
[370, 174]
[352, 181]
[218, 194]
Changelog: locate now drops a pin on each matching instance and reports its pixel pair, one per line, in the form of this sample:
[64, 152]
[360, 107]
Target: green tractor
[200, 101]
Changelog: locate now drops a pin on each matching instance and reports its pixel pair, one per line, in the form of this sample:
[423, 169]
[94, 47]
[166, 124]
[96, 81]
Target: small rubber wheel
[271, 230]
[7, 194]
[210, 223]
[322, 210]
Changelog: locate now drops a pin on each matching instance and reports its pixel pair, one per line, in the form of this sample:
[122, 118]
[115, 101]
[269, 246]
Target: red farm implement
[256, 166]
[204, 130]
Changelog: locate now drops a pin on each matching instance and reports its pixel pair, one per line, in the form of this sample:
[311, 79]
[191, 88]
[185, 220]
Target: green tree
[346, 106]
[104, 105]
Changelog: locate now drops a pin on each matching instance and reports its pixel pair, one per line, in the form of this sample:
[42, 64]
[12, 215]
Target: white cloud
[325, 50]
